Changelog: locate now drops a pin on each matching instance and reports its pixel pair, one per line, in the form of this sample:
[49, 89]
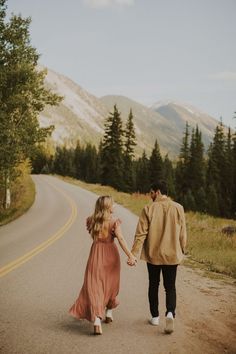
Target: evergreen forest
[200, 180]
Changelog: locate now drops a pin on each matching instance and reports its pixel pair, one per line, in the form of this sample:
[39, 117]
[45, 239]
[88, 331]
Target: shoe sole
[97, 330]
[169, 325]
[108, 320]
[153, 324]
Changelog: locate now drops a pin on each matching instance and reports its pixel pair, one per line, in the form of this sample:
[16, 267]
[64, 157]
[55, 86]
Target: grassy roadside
[23, 195]
[208, 248]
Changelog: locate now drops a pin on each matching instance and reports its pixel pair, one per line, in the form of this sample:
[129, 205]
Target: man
[161, 233]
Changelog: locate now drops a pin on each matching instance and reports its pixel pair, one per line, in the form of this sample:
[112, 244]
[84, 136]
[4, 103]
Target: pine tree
[64, 162]
[216, 172]
[112, 152]
[142, 174]
[168, 176]
[229, 176]
[90, 164]
[212, 203]
[184, 150]
[181, 172]
[189, 202]
[77, 160]
[129, 145]
[196, 170]
[156, 164]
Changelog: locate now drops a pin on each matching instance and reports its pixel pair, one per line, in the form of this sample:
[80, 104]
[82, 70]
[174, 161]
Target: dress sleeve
[116, 224]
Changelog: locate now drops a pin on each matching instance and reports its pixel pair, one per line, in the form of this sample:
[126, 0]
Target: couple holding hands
[160, 235]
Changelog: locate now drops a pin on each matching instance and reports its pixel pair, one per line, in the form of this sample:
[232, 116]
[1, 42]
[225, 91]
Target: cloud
[107, 3]
[224, 76]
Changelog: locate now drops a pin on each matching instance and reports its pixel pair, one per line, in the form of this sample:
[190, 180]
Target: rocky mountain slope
[80, 116]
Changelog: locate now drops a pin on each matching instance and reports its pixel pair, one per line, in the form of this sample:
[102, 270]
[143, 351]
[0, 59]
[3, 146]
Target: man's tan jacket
[161, 232]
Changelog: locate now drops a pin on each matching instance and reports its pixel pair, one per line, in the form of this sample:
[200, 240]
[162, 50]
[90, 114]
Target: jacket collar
[161, 199]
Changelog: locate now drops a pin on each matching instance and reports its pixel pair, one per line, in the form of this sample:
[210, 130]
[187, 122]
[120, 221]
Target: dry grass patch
[208, 245]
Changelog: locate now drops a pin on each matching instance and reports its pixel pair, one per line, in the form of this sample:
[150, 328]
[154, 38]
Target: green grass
[23, 195]
[207, 247]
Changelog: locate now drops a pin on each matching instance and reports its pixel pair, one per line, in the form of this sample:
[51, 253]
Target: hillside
[80, 116]
[179, 113]
[164, 121]
[149, 125]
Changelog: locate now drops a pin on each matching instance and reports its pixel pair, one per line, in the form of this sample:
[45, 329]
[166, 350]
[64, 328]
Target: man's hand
[132, 260]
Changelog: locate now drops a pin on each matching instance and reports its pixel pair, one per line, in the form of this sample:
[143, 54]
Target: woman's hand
[132, 260]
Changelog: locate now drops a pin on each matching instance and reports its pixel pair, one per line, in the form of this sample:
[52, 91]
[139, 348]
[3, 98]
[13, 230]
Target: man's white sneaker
[169, 323]
[154, 321]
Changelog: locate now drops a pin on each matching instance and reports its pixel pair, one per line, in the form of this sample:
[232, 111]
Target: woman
[102, 275]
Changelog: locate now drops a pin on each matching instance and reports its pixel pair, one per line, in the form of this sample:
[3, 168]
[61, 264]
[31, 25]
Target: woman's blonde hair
[101, 215]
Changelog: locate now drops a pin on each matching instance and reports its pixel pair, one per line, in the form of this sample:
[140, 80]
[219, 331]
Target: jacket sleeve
[183, 231]
[141, 232]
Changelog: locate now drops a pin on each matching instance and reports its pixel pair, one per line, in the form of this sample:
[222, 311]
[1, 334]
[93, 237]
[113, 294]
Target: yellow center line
[26, 257]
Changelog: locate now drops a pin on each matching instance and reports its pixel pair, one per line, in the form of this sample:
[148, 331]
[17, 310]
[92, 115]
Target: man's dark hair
[161, 186]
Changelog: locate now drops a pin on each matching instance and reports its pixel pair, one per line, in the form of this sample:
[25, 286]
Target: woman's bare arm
[123, 243]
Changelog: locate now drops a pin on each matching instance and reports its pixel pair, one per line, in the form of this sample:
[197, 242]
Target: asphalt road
[43, 256]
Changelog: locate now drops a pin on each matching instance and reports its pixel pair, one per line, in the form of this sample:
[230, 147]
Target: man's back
[162, 231]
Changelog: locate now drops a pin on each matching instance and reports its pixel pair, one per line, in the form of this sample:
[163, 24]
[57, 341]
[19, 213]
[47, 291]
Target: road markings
[26, 257]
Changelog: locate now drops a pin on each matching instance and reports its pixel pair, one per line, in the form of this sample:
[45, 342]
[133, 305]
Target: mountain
[164, 121]
[179, 113]
[80, 116]
[149, 125]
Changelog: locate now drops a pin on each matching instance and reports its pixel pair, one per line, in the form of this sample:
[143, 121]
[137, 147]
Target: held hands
[132, 260]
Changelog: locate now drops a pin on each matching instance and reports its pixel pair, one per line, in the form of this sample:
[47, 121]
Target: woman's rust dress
[101, 279]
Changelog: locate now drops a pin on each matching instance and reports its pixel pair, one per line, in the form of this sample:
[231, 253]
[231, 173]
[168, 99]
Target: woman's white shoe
[97, 326]
[109, 317]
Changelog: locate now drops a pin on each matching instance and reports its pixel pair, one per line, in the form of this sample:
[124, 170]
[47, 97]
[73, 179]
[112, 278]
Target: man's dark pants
[169, 277]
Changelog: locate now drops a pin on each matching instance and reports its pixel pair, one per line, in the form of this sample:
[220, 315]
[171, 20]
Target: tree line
[203, 181]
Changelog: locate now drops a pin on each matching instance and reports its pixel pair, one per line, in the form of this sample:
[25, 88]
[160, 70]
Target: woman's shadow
[77, 327]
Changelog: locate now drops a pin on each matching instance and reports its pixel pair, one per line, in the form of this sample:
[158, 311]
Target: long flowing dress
[101, 279]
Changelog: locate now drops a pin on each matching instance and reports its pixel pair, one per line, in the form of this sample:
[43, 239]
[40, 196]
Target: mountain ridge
[81, 116]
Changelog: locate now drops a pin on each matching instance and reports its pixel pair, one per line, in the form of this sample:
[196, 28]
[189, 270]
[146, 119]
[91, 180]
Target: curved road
[43, 256]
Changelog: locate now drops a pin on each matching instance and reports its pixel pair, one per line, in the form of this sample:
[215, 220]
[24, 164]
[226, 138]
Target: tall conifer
[142, 174]
[196, 170]
[229, 175]
[168, 176]
[111, 152]
[216, 168]
[181, 172]
[129, 145]
[156, 164]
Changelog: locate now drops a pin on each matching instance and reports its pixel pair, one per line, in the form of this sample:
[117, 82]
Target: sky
[147, 50]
